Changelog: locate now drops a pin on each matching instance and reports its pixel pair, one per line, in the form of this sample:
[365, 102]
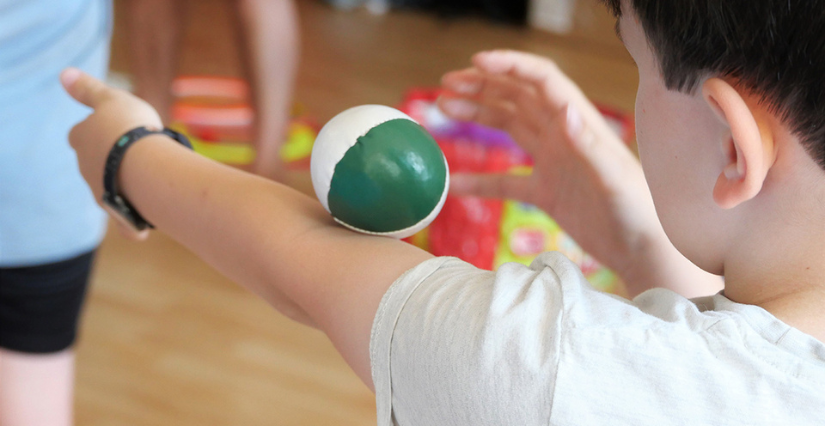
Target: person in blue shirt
[50, 224]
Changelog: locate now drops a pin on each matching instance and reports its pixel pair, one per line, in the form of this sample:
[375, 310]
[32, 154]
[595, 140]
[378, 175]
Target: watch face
[117, 207]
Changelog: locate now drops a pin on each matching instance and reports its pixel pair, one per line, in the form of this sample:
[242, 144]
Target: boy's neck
[800, 309]
[783, 273]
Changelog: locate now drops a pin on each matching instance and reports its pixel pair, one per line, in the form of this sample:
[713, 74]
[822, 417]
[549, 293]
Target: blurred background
[165, 340]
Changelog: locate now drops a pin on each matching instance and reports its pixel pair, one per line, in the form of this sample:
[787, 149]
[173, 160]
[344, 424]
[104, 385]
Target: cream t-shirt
[455, 345]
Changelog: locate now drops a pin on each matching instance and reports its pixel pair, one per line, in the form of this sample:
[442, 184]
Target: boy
[735, 166]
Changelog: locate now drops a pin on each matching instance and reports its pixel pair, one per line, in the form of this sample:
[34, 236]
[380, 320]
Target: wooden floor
[168, 341]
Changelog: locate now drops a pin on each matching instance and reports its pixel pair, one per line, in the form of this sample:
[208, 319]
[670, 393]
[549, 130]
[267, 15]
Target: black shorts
[40, 305]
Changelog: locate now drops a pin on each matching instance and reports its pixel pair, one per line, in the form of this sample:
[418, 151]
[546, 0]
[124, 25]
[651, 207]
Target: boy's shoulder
[554, 285]
[556, 342]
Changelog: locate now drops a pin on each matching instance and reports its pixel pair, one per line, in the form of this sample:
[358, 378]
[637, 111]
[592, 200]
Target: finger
[605, 152]
[84, 88]
[542, 73]
[466, 82]
[527, 103]
[491, 88]
[500, 115]
[555, 88]
[498, 186]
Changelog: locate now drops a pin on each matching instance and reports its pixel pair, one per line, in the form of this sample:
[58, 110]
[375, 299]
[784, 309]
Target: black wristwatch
[112, 199]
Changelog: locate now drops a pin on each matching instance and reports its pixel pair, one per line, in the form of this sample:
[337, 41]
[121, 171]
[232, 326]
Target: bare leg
[270, 30]
[154, 37]
[36, 389]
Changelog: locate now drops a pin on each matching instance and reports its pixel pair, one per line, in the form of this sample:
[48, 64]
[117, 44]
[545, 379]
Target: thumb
[603, 151]
[83, 87]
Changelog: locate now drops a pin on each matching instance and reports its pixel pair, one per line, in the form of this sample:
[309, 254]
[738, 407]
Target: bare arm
[270, 30]
[273, 240]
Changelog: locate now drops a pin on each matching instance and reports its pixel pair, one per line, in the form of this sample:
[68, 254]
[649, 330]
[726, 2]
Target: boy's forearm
[271, 239]
[237, 222]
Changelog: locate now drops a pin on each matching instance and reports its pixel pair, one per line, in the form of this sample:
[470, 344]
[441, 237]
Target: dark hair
[773, 48]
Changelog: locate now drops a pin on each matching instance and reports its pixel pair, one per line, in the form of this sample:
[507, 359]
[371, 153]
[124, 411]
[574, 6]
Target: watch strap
[111, 196]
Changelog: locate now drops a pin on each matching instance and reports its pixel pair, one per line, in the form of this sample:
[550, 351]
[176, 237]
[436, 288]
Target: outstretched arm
[584, 176]
[278, 243]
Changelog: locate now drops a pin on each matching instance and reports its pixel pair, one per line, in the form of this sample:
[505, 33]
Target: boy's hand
[115, 113]
[584, 175]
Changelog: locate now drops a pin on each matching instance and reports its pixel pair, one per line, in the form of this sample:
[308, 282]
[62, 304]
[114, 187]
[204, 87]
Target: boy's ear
[748, 151]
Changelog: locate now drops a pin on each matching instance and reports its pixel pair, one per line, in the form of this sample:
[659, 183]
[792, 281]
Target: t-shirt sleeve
[453, 344]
